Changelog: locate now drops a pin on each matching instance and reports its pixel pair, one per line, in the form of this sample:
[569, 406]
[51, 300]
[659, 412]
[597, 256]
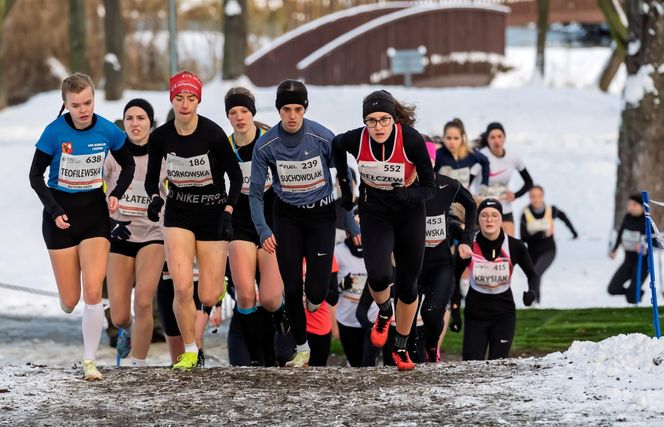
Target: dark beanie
[637, 198]
[380, 100]
[141, 103]
[494, 126]
[240, 100]
[490, 203]
[291, 92]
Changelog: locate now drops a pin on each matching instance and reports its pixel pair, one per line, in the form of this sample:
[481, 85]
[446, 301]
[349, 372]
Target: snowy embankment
[615, 381]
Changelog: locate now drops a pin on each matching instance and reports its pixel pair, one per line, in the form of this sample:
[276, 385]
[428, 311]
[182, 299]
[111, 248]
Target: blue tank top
[78, 155]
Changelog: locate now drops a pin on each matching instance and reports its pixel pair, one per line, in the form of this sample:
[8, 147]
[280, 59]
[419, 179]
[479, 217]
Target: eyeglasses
[384, 121]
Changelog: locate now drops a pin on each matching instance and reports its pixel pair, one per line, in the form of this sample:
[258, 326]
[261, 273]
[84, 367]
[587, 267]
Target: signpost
[407, 62]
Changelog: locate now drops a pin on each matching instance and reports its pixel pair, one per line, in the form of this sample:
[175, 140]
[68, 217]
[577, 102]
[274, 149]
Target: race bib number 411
[301, 176]
[81, 172]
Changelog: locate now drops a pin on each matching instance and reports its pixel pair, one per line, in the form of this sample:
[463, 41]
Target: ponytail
[61, 109]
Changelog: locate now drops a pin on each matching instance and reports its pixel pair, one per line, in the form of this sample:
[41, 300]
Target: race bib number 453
[189, 171]
[81, 172]
[301, 176]
[436, 231]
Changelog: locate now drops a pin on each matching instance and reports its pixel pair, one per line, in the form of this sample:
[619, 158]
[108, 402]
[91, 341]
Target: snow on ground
[614, 381]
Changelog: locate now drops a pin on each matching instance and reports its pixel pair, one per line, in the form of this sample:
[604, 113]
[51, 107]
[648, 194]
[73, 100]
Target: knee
[68, 304]
[245, 301]
[91, 296]
[120, 320]
[378, 282]
[270, 302]
[183, 293]
[407, 294]
[143, 307]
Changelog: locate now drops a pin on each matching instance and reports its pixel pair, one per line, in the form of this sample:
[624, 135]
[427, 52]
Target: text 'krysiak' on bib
[189, 171]
[81, 171]
[301, 176]
[397, 170]
[491, 277]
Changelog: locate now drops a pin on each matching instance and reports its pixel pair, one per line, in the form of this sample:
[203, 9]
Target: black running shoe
[281, 323]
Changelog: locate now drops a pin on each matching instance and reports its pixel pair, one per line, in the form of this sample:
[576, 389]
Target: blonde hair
[456, 123]
[75, 83]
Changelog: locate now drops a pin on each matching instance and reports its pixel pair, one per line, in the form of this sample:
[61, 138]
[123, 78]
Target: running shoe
[186, 361]
[281, 323]
[90, 372]
[124, 343]
[402, 360]
[380, 330]
[311, 307]
[300, 360]
[433, 355]
[201, 359]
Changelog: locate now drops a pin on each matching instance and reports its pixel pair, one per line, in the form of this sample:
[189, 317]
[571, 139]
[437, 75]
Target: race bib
[496, 191]
[381, 175]
[135, 200]
[632, 240]
[436, 231]
[81, 172]
[462, 175]
[245, 167]
[359, 280]
[189, 171]
[491, 274]
[539, 226]
[301, 176]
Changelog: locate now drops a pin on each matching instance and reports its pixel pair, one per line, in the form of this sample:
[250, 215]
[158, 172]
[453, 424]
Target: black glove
[119, 230]
[154, 208]
[226, 226]
[347, 283]
[455, 320]
[400, 193]
[529, 298]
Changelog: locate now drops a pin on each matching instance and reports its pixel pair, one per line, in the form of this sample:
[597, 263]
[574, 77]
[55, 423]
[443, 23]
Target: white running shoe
[301, 360]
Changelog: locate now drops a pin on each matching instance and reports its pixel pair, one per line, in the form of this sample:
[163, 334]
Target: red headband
[186, 82]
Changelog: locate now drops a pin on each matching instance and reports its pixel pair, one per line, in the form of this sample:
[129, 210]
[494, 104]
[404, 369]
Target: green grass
[546, 331]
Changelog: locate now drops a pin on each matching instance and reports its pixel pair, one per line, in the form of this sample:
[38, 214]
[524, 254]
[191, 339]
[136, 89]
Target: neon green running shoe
[223, 292]
[301, 360]
[90, 372]
[186, 361]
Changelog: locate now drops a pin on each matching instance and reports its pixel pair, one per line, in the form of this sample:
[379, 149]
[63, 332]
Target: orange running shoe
[380, 330]
[402, 359]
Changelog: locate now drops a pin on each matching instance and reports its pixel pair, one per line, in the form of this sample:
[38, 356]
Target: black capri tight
[436, 284]
[304, 234]
[402, 234]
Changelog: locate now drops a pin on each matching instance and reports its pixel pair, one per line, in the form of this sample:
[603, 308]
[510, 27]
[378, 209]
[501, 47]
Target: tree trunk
[618, 27]
[235, 38]
[114, 60]
[5, 7]
[77, 57]
[641, 137]
[542, 28]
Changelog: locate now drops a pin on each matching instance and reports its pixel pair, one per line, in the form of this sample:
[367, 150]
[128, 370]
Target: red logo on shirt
[66, 147]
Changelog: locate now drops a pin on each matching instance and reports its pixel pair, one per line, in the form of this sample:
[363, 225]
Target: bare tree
[641, 138]
[235, 38]
[77, 58]
[542, 28]
[5, 7]
[114, 60]
[615, 18]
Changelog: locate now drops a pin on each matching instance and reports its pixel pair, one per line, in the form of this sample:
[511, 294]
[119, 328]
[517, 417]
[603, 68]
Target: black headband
[143, 104]
[376, 105]
[240, 100]
[291, 97]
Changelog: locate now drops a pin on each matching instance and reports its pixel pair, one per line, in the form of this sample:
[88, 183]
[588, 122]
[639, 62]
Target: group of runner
[185, 198]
